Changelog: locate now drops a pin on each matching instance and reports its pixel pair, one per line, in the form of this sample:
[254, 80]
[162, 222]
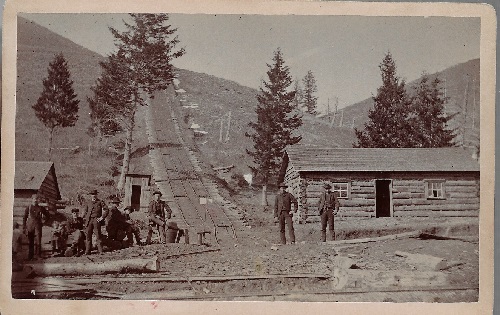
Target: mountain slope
[36, 48]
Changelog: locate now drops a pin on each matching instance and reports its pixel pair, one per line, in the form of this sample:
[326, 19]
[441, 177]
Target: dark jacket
[75, 224]
[158, 208]
[115, 218]
[94, 210]
[283, 202]
[328, 201]
[33, 216]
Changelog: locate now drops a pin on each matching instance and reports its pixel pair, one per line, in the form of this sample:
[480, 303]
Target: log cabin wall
[409, 192]
[22, 199]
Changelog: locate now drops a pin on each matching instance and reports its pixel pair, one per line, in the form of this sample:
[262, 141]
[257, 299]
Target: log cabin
[34, 177]
[384, 182]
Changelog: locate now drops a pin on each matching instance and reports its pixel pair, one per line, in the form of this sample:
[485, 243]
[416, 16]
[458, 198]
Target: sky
[343, 52]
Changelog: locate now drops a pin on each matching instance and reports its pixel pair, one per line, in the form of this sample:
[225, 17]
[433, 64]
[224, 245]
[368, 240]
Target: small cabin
[34, 177]
[137, 191]
[385, 182]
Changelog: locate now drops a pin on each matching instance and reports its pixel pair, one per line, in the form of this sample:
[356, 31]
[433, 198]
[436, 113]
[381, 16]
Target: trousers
[35, 242]
[93, 227]
[327, 218]
[285, 217]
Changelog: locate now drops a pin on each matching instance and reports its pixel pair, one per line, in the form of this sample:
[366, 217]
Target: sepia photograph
[250, 154]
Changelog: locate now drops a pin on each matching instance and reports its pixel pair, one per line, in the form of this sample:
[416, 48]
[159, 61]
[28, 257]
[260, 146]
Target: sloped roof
[310, 158]
[30, 174]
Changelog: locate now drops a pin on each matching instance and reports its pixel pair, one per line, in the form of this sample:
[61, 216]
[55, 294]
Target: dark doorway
[135, 199]
[383, 198]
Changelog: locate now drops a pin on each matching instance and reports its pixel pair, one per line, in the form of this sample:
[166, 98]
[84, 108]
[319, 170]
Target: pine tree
[147, 49]
[309, 100]
[299, 95]
[57, 106]
[429, 120]
[388, 126]
[277, 119]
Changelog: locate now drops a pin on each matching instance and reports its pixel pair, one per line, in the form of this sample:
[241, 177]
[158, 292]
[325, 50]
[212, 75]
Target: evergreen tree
[429, 120]
[146, 49]
[389, 126]
[309, 100]
[299, 95]
[277, 119]
[57, 106]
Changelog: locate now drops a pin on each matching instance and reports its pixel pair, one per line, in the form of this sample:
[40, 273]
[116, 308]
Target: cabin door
[135, 199]
[382, 198]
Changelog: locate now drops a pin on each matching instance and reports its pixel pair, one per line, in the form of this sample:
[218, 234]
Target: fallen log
[95, 268]
[423, 262]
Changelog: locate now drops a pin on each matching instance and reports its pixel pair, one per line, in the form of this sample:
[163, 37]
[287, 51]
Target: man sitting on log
[157, 217]
[77, 236]
[117, 225]
[134, 226]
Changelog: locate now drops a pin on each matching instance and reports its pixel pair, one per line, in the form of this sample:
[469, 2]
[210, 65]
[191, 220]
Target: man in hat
[32, 226]
[116, 222]
[328, 206]
[157, 217]
[282, 207]
[77, 236]
[95, 212]
[133, 224]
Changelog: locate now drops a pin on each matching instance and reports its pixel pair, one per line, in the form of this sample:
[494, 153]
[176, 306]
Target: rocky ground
[255, 253]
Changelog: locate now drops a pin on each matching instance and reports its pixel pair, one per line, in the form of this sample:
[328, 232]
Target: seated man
[77, 236]
[116, 223]
[134, 226]
[159, 212]
[59, 238]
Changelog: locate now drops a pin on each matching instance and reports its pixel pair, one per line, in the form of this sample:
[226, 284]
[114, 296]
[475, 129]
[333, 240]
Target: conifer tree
[57, 106]
[388, 126]
[146, 49]
[309, 100]
[299, 95]
[429, 120]
[277, 119]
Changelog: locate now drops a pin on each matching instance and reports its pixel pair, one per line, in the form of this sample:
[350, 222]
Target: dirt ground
[255, 252]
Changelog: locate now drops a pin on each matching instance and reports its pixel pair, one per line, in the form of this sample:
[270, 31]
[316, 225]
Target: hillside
[461, 81]
[217, 97]
[36, 48]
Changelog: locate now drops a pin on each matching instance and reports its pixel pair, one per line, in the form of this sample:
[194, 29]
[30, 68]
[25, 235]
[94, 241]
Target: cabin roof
[31, 174]
[311, 158]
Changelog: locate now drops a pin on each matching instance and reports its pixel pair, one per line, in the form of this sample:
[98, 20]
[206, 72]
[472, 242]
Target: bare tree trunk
[126, 153]
[264, 196]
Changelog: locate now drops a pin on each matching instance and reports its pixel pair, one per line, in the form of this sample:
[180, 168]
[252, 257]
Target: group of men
[78, 230]
[328, 206]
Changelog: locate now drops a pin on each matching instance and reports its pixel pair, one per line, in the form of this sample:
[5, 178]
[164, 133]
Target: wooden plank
[376, 239]
[458, 189]
[441, 207]
[408, 202]
[420, 213]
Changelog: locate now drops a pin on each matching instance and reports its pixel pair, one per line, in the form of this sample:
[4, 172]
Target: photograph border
[487, 142]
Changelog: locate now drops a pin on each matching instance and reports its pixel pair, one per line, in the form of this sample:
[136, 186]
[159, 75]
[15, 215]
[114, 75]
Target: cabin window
[435, 189]
[342, 189]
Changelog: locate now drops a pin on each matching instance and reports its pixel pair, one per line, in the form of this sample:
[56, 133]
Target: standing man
[328, 207]
[157, 217]
[282, 206]
[32, 227]
[95, 212]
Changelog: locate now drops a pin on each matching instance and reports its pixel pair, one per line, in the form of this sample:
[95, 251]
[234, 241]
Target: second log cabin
[384, 182]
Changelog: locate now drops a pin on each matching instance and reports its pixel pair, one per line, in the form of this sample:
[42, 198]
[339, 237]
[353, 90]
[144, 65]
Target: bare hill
[216, 98]
[36, 48]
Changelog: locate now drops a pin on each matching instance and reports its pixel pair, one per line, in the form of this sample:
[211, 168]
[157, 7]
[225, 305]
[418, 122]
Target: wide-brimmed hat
[115, 200]
[75, 210]
[172, 225]
[157, 193]
[93, 192]
[282, 185]
[327, 186]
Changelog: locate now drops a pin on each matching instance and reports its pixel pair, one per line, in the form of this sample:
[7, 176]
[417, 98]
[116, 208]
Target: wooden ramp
[180, 178]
